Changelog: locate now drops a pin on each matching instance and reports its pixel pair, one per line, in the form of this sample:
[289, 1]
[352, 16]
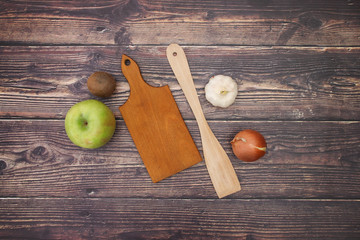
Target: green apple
[90, 124]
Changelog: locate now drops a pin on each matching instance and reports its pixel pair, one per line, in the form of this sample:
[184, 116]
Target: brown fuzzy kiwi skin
[101, 84]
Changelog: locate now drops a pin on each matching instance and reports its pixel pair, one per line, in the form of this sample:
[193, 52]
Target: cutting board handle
[132, 74]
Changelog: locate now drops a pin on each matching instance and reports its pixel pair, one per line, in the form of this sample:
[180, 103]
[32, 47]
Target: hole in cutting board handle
[174, 54]
[127, 62]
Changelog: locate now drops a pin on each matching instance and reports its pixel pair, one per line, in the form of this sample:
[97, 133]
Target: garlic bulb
[221, 91]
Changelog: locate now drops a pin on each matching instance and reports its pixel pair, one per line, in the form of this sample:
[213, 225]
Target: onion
[249, 145]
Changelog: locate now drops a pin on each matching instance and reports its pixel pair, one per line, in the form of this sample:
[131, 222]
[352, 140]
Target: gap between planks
[191, 199]
[21, 44]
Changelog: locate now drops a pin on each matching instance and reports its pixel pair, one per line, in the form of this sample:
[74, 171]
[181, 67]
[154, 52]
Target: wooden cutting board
[156, 126]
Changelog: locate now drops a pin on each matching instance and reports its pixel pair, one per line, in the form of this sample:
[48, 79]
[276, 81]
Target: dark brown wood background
[297, 65]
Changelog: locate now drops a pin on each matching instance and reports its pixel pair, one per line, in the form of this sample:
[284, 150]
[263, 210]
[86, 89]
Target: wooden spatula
[156, 126]
[221, 171]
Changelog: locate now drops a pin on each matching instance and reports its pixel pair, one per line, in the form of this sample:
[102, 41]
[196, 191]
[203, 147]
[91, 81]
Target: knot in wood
[95, 58]
[310, 21]
[3, 165]
[79, 86]
[122, 37]
[39, 154]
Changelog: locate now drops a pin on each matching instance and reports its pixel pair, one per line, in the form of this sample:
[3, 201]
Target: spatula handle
[221, 171]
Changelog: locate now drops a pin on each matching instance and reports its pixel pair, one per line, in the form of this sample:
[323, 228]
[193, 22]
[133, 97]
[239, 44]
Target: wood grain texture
[304, 160]
[212, 22]
[108, 218]
[277, 83]
[297, 66]
[156, 126]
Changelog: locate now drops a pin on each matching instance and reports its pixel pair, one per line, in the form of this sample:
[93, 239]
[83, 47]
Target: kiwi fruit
[101, 84]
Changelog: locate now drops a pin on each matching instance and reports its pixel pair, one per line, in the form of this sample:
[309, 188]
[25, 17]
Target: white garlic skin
[221, 91]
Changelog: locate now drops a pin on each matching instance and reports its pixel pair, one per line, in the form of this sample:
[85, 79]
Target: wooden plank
[113, 218]
[304, 160]
[211, 22]
[282, 83]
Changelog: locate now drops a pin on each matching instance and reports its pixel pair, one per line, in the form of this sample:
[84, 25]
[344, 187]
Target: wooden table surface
[297, 65]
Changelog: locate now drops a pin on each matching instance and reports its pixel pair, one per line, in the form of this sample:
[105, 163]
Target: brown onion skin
[246, 144]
